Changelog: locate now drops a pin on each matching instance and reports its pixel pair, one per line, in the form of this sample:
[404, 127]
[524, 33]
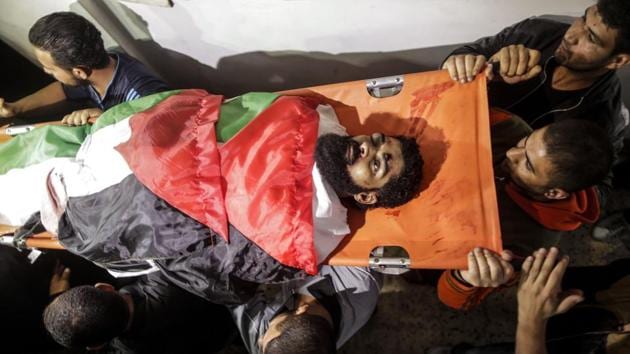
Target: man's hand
[60, 280]
[464, 67]
[517, 62]
[81, 117]
[487, 269]
[539, 292]
[6, 109]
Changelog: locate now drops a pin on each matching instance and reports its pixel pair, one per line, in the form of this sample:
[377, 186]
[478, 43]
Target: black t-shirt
[131, 80]
[544, 99]
[169, 320]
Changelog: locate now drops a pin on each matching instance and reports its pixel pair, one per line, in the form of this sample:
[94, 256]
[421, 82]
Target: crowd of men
[558, 126]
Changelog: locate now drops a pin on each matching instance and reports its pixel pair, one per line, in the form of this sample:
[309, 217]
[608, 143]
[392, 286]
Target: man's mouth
[352, 152]
[563, 48]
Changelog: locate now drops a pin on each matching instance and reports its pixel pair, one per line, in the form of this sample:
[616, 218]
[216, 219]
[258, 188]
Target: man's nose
[378, 139]
[573, 35]
[514, 154]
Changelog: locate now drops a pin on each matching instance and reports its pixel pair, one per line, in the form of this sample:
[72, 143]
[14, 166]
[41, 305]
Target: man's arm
[49, 95]
[540, 297]
[486, 272]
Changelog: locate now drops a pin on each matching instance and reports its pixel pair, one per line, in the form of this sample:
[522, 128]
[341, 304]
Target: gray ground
[410, 318]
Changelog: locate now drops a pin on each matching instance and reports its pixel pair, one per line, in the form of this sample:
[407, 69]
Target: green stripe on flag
[237, 112]
[52, 141]
[125, 109]
[40, 145]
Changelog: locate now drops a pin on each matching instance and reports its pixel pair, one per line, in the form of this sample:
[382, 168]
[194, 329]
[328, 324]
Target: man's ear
[81, 73]
[556, 194]
[302, 309]
[367, 198]
[105, 287]
[618, 60]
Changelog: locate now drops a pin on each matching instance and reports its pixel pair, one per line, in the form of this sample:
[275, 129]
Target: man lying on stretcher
[217, 196]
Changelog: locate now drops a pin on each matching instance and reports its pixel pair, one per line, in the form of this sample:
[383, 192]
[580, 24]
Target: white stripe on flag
[97, 164]
[22, 190]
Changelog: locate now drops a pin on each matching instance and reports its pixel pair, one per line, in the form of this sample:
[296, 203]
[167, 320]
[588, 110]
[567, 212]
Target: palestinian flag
[244, 163]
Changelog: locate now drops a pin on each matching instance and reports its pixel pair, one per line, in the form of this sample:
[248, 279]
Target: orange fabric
[457, 208]
[459, 296]
[561, 215]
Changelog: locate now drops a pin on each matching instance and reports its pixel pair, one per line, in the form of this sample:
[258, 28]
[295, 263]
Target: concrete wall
[233, 46]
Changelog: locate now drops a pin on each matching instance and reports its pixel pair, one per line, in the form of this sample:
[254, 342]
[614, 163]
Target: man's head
[68, 46]
[599, 39]
[559, 159]
[376, 170]
[307, 330]
[87, 316]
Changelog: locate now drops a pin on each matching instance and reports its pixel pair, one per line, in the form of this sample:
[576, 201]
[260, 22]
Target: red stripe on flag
[267, 167]
[173, 152]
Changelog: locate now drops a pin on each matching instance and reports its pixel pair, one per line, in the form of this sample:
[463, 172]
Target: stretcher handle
[43, 243]
[383, 87]
[43, 240]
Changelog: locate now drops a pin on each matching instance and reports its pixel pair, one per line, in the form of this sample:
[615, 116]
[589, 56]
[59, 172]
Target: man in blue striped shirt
[71, 49]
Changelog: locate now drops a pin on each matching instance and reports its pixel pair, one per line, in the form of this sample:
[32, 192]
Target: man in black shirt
[554, 71]
[71, 49]
[147, 316]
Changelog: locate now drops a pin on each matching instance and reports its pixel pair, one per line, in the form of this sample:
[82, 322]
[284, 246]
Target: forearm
[49, 95]
[530, 337]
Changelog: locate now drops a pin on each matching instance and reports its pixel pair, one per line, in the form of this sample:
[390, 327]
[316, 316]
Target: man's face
[528, 164]
[588, 44]
[60, 74]
[374, 160]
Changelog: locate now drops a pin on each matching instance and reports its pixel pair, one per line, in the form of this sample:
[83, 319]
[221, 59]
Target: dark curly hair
[616, 15]
[71, 40]
[399, 190]
[85, 316]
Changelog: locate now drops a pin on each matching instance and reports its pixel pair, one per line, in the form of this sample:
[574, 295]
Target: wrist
[529, 322]
[457, 274]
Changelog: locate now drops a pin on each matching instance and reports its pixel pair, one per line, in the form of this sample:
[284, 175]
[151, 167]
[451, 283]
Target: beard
[507, 170]
[566, 57]
[333, 154]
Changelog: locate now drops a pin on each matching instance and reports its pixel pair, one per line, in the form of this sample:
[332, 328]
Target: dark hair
[332, 164]
[580, 152]
[85, 316]
[71, 40]
[616, 15]
[406, 186]
[303, 334]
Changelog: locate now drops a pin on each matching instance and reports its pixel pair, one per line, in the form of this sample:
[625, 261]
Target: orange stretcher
[457, 208]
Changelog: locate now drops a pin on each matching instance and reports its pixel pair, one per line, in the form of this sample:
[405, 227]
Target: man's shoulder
[131, 69]
[538, 33]
[543, 23]
[360, 279]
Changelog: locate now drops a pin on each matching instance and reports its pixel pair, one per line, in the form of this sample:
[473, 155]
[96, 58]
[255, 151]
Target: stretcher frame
[413, 104]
